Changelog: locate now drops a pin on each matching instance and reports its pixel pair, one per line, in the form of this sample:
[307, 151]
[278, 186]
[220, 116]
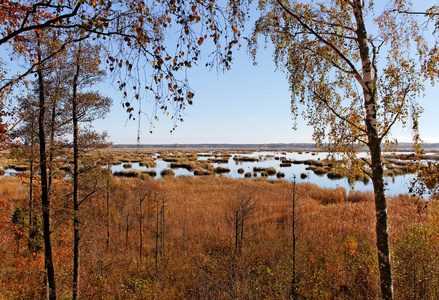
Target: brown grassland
[216, 238]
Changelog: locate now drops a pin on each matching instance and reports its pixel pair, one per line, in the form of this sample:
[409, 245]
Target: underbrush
[219, 238]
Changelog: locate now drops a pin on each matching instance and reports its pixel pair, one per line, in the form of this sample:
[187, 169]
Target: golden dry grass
[336, 257]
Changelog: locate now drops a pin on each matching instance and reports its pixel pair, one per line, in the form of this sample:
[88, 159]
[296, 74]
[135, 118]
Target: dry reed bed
[196, 248]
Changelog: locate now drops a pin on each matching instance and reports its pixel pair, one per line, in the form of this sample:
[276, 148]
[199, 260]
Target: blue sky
[247, 104]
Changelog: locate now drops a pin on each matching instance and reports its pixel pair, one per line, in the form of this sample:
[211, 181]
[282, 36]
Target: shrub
[241, 171]
[127, 166]
[2, 172]
[246, 175]
[303, 175]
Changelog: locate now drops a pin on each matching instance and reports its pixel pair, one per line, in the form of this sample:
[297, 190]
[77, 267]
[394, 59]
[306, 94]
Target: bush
[127, 166]
[303, 175]
[246, 175]
[241, 171]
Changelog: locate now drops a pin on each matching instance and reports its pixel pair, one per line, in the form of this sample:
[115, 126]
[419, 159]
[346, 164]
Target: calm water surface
[394, 186]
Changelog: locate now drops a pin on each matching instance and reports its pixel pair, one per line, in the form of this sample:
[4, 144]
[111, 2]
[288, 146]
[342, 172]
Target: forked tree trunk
[45, 200]
[374, 144]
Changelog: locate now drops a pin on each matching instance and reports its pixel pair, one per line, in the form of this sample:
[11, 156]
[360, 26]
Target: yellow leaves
[200, 41]
[153, 63]
[235, 29]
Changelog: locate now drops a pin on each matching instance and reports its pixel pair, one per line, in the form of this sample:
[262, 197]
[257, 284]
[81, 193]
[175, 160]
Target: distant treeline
[280, 146]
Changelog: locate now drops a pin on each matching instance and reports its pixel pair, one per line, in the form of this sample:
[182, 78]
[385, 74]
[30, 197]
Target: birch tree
[353, 74]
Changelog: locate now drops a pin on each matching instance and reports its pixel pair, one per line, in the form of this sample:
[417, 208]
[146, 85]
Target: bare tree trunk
[108, 208]
[293, 281]
[45, 200]
[76, 237]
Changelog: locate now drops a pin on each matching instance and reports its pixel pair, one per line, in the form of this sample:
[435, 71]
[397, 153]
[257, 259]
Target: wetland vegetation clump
[240, 171]
[2, 171]
[147, 163]
[246, 175]
[280, 175]
[329, 196]
[303, 175]
[271, 171]
[131, 174]
[127, 166]
[188, 165]
[221, 170]
[167, 172]
[245, 159]
[357, 196]
[320, 171]
[218, 160]
[21, 168]
[150, 173]
[333, 174]
[202, 172]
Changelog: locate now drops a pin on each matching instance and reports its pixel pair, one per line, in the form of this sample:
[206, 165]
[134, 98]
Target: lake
[266, 159]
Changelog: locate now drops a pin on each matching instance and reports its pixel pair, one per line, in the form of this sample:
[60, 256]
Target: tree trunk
[76, 237]
[45, 200]
[374, 144]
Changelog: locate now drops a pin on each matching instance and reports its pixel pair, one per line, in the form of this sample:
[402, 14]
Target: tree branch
[325, 41]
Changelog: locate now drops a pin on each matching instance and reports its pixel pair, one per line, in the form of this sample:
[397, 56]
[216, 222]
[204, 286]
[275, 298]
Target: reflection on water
[394, 185]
